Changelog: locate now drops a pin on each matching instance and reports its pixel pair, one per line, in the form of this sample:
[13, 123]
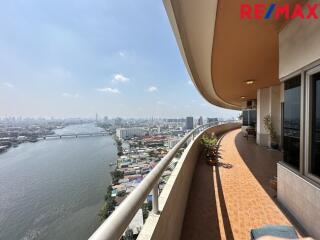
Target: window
[253, 118]
[291, 122]
[249, 117]
[245, 118]
[314, 164]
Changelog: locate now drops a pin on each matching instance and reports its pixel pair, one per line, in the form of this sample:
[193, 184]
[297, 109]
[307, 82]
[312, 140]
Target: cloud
[152, 89]
[122, 54]
[70, 95]
[160, 103]
[8, 85]
[120, 78]
[109, 90]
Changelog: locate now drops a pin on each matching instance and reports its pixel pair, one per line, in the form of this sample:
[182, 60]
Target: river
[53, 189]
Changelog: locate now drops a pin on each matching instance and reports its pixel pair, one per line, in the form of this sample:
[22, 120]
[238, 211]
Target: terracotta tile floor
[226, 203]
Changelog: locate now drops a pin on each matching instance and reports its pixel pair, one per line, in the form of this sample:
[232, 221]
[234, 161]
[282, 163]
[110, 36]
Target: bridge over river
[74, 135]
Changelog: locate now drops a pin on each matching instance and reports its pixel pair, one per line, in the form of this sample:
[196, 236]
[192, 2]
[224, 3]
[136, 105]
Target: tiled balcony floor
[226, 203]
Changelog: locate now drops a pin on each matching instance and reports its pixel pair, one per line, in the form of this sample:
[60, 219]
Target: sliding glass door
[291, 122]
[314, 125]
[301, 123]
[249, 118]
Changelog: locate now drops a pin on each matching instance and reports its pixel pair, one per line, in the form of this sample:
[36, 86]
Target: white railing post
[155, 199]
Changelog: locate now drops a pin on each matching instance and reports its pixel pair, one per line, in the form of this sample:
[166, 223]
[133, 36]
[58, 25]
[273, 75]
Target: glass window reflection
[315, 147]
[291, 122]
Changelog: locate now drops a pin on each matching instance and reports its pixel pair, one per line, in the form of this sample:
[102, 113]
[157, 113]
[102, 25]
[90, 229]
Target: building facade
[189, 123]
[126, 133]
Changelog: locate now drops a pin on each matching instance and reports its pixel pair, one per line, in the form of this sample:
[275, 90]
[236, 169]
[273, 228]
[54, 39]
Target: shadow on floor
[202, 222]
[206, 200]
[261, 161]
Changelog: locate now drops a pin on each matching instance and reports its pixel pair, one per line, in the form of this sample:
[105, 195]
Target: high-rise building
[200, 121]
[212, 120]
[189, 123]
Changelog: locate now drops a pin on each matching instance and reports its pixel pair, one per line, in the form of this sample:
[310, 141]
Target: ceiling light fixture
[243, 97]
[250, 82]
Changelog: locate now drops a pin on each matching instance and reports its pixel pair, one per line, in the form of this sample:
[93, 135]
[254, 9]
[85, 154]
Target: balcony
[227, 201]
[203, 202]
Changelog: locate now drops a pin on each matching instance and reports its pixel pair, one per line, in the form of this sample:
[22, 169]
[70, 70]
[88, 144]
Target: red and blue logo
[275, 11]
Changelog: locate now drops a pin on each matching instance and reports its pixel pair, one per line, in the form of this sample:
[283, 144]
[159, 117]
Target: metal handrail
[116, 224]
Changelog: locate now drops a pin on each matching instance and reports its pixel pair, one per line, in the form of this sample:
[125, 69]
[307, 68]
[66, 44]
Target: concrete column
[263, 109]
[268, 102]
[276, 110]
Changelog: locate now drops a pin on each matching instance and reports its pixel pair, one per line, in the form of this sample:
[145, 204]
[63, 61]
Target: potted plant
[274, 184]
[273, 134]
[210, 146]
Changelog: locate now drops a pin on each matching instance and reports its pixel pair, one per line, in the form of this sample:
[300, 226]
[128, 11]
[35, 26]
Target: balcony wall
[301, 199]
[173, 199]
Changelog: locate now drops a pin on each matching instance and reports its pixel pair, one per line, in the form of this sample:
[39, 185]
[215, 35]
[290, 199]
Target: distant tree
[179, 153]
[128, 235]
[107, 208]
[145, 212]
[109, 193]
[116, 176]
[109, 205]
[146, 208]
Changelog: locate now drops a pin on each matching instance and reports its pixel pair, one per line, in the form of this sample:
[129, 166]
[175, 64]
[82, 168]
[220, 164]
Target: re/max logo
[265, 11]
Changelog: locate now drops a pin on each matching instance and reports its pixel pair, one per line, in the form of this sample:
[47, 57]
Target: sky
[76, 58]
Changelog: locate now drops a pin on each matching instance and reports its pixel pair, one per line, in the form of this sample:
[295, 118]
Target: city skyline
[61, 59]
[107, 118]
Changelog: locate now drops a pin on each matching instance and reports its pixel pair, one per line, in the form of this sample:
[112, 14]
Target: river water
[53, 189]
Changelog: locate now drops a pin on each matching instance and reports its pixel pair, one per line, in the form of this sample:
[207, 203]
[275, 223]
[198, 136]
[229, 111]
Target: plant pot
[273, 184]
[275, 146]
[212, 162]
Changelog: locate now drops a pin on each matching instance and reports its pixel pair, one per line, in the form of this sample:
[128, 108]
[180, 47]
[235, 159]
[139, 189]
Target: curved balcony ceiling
[221, 51]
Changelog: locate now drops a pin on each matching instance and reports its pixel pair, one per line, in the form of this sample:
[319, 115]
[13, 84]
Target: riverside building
[126, 133]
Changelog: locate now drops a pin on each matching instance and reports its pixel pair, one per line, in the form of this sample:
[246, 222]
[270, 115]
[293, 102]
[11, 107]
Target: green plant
[270, 128]
[108, 207]
[211, 151]
[146, 208]
[116, 176]
[209, 142]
